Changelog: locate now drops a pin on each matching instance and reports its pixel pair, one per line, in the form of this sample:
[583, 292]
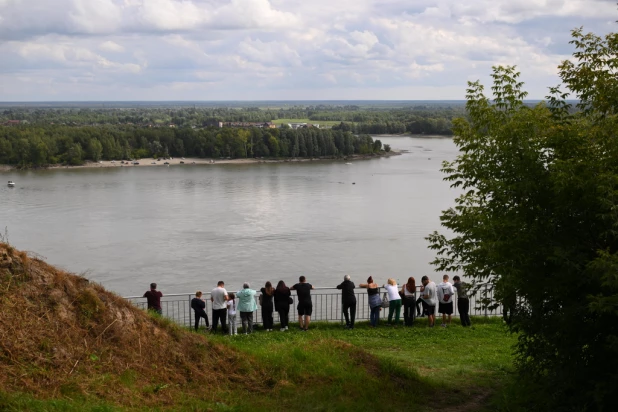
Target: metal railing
[327, 306]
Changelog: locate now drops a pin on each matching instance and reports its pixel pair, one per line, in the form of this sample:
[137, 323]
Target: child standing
[231, 313]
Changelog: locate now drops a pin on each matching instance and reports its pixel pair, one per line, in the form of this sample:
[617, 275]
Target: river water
[186, 227]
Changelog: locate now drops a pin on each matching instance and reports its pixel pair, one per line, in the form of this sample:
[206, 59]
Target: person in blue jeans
[375, 303]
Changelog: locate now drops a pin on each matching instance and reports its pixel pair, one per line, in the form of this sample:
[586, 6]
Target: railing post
[341, 311]
[189, 312]
[485, 296]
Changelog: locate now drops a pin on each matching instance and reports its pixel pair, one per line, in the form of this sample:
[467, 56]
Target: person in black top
[283, 296]
[305, 306]
[348, 299]
[267, 306]
[463, 302]
[199, 306]
[153, 296]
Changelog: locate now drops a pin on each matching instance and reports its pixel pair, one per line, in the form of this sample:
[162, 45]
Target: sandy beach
[193, 161]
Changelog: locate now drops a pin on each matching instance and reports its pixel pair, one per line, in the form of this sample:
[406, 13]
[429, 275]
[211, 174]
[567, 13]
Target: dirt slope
[63, 336]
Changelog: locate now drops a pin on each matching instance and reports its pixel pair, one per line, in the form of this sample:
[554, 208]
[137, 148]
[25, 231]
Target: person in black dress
[268, 293]
[282, 304]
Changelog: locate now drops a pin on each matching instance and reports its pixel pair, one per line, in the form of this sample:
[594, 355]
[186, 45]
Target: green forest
[38, 136]
[416, 119]
[36, 146]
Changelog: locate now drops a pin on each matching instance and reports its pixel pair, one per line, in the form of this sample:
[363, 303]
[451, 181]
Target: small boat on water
[348, 163]
[11, 183]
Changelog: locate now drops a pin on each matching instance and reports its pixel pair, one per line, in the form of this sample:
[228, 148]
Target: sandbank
[193, 161]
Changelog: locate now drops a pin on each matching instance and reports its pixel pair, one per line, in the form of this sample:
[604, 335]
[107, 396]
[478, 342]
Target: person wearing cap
[153, 297]
[246, 307]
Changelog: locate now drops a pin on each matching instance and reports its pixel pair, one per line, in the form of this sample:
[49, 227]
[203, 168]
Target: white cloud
[65, 55]
[111, 46]
[517, 11]
[244, 49]
[269, 53]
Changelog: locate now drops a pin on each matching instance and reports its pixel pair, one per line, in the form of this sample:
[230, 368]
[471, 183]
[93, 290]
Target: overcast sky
[282, 49]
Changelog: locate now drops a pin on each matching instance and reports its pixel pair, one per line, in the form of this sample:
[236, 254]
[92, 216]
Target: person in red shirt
[153, 296]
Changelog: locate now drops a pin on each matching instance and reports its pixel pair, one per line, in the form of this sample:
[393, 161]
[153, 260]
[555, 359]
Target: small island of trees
[41, 145]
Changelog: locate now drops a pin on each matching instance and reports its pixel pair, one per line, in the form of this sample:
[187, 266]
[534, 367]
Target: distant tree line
[426, 119]
[429, 126]
[33, 145]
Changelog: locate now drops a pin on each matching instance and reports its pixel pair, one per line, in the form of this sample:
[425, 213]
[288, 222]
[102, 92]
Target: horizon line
[248, 100]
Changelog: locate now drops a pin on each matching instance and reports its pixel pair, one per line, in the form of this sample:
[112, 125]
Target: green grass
[329, 123]
[329, 368]
[461, 363]
[25, 402]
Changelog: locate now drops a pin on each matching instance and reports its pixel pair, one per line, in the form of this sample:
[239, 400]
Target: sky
[94, 50]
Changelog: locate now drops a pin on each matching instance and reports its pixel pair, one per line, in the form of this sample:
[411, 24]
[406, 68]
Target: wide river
[186, 227]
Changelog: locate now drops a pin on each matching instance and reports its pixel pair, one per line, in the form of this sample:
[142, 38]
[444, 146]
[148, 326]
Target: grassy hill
[68, 344]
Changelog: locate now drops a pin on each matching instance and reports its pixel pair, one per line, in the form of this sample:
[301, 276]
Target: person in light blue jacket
[246, 307]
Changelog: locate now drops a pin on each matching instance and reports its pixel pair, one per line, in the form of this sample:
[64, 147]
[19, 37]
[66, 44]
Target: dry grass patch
[63, 336]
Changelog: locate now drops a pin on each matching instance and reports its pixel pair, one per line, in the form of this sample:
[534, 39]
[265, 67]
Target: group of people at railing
[226, 305]
[431, 295]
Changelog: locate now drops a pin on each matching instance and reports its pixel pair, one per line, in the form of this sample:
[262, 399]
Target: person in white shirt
[429, 300]
[218, 297]
[445, 300]
[394, 300]
[231, 314]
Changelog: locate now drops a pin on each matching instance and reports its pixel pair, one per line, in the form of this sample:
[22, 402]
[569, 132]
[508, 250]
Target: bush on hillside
[538, 220]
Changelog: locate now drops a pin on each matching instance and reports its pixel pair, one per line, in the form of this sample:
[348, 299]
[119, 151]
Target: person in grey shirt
[429, 300]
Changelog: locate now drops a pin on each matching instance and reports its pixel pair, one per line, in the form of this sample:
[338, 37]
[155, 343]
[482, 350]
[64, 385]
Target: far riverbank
[192, 161]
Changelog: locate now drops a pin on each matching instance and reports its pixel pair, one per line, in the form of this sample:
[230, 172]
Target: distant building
[297, 125]
[266, 125]
[12, 123]
[213, 123]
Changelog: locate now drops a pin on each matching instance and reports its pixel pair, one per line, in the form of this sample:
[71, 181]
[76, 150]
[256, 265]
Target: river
[186, 227]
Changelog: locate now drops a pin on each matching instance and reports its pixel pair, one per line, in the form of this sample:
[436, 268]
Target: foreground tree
[538, 221]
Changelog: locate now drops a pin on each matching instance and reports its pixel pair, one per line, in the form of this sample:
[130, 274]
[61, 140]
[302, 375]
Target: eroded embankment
[61, 335]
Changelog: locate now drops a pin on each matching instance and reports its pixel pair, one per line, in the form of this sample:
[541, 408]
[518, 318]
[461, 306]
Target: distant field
[320, 122]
